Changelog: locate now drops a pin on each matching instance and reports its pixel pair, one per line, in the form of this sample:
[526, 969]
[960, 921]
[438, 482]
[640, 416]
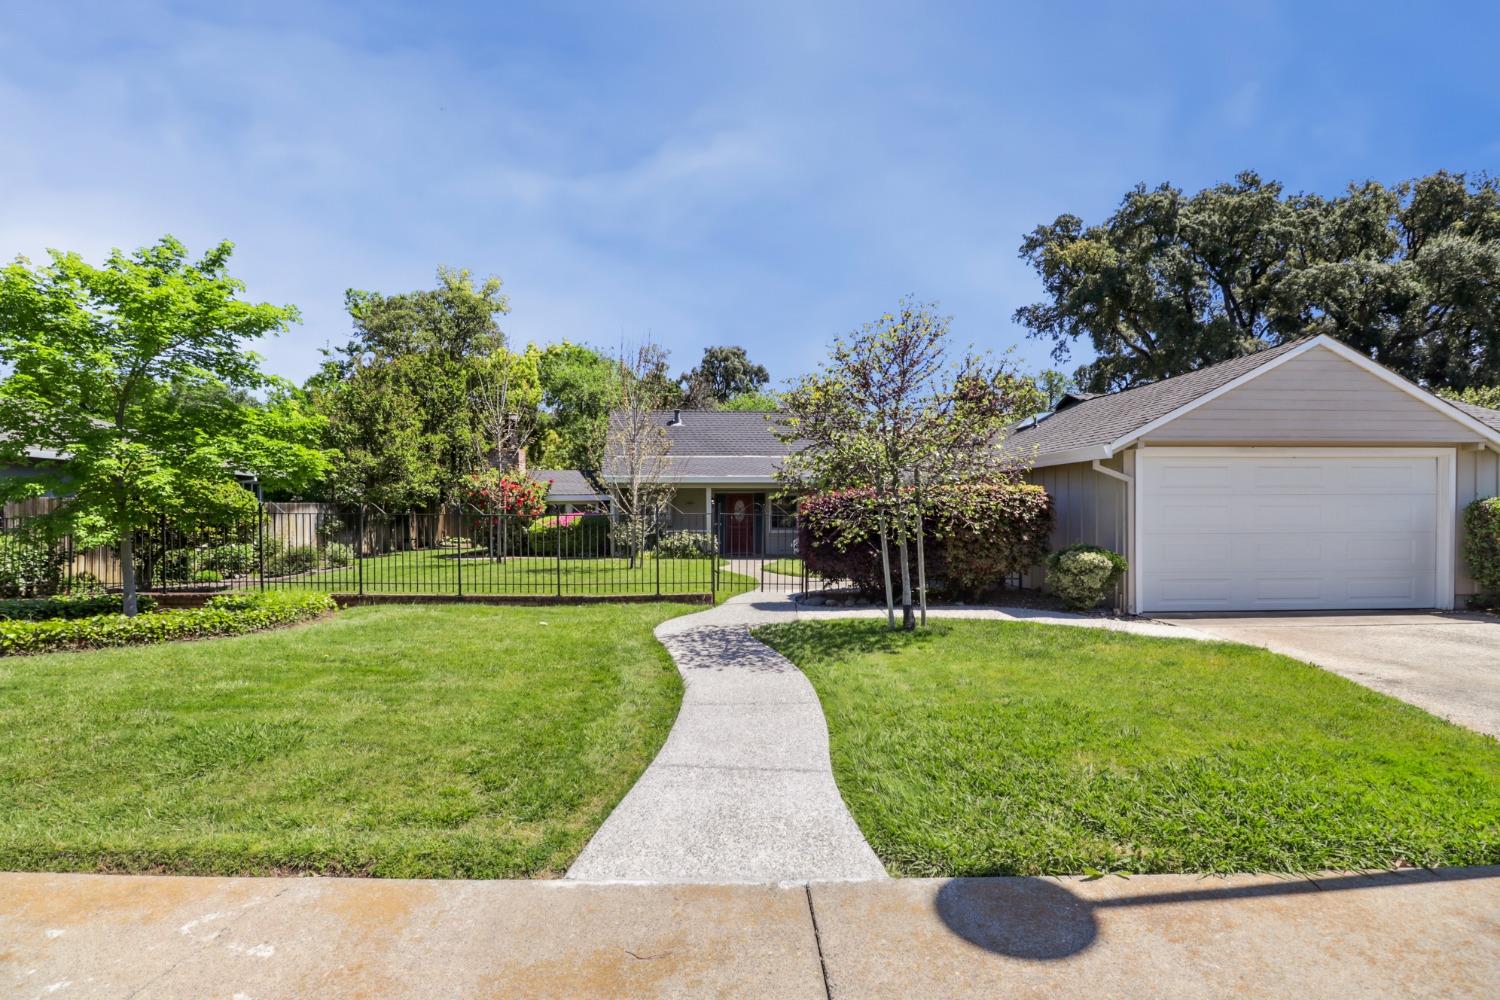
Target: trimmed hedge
[1482, 545]
[975, 535]
[42, 608]
[582, 534]
[233, 614]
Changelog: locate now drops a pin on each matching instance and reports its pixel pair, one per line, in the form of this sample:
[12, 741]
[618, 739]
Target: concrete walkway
[1407, 934]
[743, 790]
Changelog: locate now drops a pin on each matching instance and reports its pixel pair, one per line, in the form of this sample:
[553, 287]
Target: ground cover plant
[1011, 748]
[230, 614]
[421, 741]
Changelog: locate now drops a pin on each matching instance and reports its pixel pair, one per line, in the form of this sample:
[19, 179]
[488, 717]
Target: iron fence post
[459, 538]
[260, 546]
[359, 551]
[713, 556]
[557, 531]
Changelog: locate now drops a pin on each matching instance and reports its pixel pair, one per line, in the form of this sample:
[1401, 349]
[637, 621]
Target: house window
[783, 515]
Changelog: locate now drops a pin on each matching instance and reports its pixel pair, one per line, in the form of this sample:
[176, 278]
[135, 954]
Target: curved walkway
[743, 790]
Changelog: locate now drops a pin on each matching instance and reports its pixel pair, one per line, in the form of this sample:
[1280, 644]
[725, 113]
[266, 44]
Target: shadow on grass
[829, 640]
[1042, 919]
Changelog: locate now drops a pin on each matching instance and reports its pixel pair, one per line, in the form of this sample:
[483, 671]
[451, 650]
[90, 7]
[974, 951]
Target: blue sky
[768, 174]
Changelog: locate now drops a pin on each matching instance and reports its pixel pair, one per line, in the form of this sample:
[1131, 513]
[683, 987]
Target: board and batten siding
[1476, 475]
[1316, 396]
[1087, 506]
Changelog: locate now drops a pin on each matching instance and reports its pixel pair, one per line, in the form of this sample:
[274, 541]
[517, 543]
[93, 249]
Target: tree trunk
[885, 575]
[908, 619]
[921, 557]
[127, 571]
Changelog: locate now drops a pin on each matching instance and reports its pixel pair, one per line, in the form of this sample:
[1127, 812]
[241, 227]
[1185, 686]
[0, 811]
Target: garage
[1257, 529]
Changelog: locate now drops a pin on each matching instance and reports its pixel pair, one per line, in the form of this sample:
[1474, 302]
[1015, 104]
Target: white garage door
[1243, 532]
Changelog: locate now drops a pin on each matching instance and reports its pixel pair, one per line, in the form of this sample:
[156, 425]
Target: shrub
[581, 534]
[231, 560]
[1482, 545]
[208, 576]
[76, 606]
[291, 560]
[221, 616]
[684, 545]
[975, 535]
[30, 565]
[339, 554]
[1082, 574]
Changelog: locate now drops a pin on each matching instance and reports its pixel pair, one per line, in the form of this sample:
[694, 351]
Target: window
[783, 515]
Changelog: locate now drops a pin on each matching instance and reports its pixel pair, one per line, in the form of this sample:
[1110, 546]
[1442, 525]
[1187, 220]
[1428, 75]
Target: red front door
[739, 518]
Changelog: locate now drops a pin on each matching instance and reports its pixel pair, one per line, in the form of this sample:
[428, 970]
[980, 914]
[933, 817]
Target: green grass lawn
[990, 748]
[433, 571]
[414, 741]
[788, 565]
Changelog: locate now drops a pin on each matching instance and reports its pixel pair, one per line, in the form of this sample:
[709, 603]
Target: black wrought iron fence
[452, 550]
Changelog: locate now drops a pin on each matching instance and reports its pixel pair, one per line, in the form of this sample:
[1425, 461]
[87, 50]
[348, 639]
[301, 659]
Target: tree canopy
[136, 377]
[724, 374]
[1408, 274]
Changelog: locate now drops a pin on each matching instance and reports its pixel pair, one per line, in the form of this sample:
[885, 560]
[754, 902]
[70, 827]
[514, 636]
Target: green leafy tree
[1172, 282]
[723, 374]
[579, 385]
[752, 402]
[399, 396]
[134, 374]
[1487, 396]
[894, 413]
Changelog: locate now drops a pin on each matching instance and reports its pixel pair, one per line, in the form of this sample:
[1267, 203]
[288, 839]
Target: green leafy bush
[208, 576]
[1482, 545]
[684, 545]
[1083, 574]
[231, 560]
[76, 606]
[976, 535]
[222, 616]
[30, 565]
[292, 560]
[338, 554]
[581, 534]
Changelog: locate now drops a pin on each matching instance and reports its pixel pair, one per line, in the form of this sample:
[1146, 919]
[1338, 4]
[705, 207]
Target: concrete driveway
[1447, 663]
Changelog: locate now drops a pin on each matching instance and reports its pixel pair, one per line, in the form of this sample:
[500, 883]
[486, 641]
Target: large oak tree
[1408, 274]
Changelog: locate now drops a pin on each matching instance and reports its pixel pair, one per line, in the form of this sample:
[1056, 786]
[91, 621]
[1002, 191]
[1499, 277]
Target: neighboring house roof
[1098, 426]
[567, 484]
[1483, 414]
[719, 446]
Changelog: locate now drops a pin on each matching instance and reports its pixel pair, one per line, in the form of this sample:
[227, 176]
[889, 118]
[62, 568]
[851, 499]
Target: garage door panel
[1251, 533]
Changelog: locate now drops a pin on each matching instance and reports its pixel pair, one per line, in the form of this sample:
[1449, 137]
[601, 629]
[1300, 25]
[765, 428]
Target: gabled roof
[567, 484]
[721, 445]
[1099, 426]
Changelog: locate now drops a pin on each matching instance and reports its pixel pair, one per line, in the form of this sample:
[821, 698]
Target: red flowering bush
[975, 535]
[507, 493]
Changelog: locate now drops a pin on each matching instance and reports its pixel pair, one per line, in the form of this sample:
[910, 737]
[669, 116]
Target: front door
[739, 523]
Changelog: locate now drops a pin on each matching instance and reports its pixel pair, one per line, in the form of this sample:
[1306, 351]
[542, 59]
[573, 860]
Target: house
[722, 465]
[571, 489]
[1303, 477]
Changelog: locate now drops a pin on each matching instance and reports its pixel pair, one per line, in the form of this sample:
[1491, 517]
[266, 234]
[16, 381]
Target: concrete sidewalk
[1407, 934]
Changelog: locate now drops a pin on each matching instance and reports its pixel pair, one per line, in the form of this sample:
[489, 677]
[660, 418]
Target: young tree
[506, 399]
[723, 374]
[1172, 282]
[134, 374]
[637, 447]
[893, 412]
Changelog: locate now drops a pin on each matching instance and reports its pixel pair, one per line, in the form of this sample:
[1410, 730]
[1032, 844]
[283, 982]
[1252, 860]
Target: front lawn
[413, 741]
[1006, 748]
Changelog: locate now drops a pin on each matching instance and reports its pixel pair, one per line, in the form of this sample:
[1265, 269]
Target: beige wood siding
[1316, 396]
[1477, 475]
[1088, 506]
